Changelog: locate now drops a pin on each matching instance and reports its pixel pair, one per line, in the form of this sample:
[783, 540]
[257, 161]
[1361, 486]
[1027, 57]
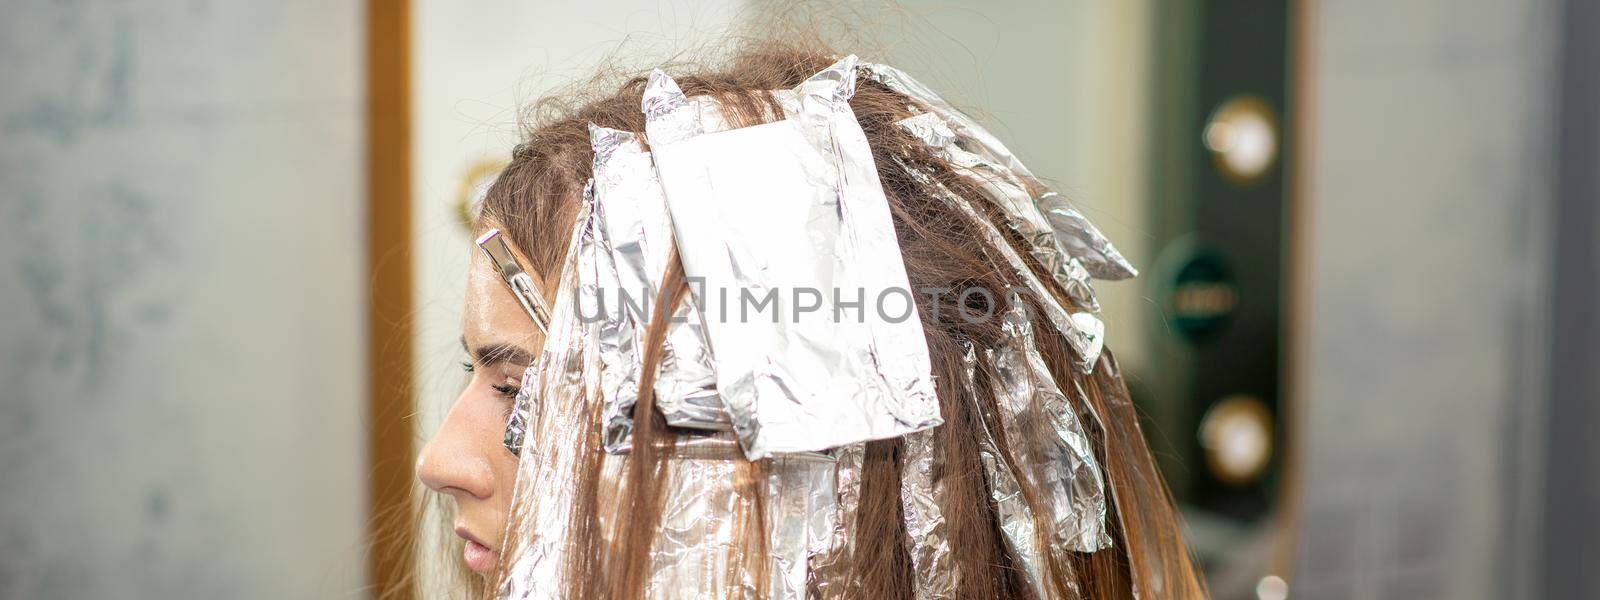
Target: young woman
[974, 507]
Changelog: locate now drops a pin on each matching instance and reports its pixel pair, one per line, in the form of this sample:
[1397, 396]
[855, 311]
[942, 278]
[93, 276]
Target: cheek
[488, 415]
[504, 464]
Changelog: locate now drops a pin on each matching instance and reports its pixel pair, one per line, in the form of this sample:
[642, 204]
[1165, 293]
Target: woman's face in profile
[467, 459]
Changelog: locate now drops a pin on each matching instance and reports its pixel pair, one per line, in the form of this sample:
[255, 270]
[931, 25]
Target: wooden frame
[389, 277]
[1298, 286]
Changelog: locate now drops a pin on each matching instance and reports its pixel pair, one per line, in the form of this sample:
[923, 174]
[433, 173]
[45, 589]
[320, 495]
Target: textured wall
[180, 300]
[1431, 166]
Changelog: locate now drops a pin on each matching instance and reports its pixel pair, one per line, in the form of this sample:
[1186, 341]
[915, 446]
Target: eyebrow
[491, 354]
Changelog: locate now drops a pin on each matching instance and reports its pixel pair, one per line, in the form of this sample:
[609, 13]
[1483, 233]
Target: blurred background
[232, 260]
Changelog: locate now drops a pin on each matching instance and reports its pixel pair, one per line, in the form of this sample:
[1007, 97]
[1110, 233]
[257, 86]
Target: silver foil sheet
[928, 538]
[802, 506]
[786, 225]
[1080, 237]
[635, 238]
[1065, 468]
[670, 116]
[829, 562]
[699, 529]
[1011, 508]
[695, 546]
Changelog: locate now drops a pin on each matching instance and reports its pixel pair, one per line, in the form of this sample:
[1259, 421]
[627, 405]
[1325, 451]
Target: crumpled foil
[1011, 508]
[703, 507]
[787, 226]
[1080, 237]
[928, 538]
[829, 564]
[1066, 470]
[635, 239]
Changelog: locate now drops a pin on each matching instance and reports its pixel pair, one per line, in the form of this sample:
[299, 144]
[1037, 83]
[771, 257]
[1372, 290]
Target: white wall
[181, 243]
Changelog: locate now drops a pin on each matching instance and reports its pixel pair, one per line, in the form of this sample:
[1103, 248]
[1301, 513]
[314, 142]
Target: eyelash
[507, 390]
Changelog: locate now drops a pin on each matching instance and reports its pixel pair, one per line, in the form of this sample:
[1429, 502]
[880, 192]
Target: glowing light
[1243, 138]
[1272, 587]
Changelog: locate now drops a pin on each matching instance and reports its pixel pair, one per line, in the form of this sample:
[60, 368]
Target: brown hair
[535, 200]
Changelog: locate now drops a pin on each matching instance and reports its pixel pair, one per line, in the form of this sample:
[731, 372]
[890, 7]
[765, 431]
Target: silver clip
[521, 282]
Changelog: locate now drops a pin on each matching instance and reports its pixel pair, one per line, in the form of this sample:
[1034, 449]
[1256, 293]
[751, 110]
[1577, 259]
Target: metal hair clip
[521, 282]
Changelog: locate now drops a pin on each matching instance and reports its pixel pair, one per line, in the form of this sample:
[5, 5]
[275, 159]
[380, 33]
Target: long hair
[536, 199]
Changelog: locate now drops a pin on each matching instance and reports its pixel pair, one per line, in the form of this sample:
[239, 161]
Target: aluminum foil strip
[802, 505]
[636, 236]
[697, 536]
[1011, 508]
[552, 408]
[1080, 237]
[700, 529]
[829, 561]
[788, 220]
[929, 539]
[1021, 215]
[1084, 331]
[1067, 470]
[615, 340]
[670, 116]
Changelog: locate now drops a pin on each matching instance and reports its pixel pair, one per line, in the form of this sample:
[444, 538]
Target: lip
[479, 556]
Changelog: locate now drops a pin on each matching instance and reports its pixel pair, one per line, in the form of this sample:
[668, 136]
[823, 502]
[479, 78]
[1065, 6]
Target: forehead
[491, 313]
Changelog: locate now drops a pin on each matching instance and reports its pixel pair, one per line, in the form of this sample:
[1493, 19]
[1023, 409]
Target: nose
[453, 462]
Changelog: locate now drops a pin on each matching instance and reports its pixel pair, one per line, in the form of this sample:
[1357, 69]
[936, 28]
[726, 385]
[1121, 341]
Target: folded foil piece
[634, 235]
[1022, 217]
[1084, 331]
[696, 550]
[802, 505]
[670, 116]
[804, 296]
[1066, 468]
[1080, 237]
[928, 538]
[829, 563]
[1011, 508]
[695, 547]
